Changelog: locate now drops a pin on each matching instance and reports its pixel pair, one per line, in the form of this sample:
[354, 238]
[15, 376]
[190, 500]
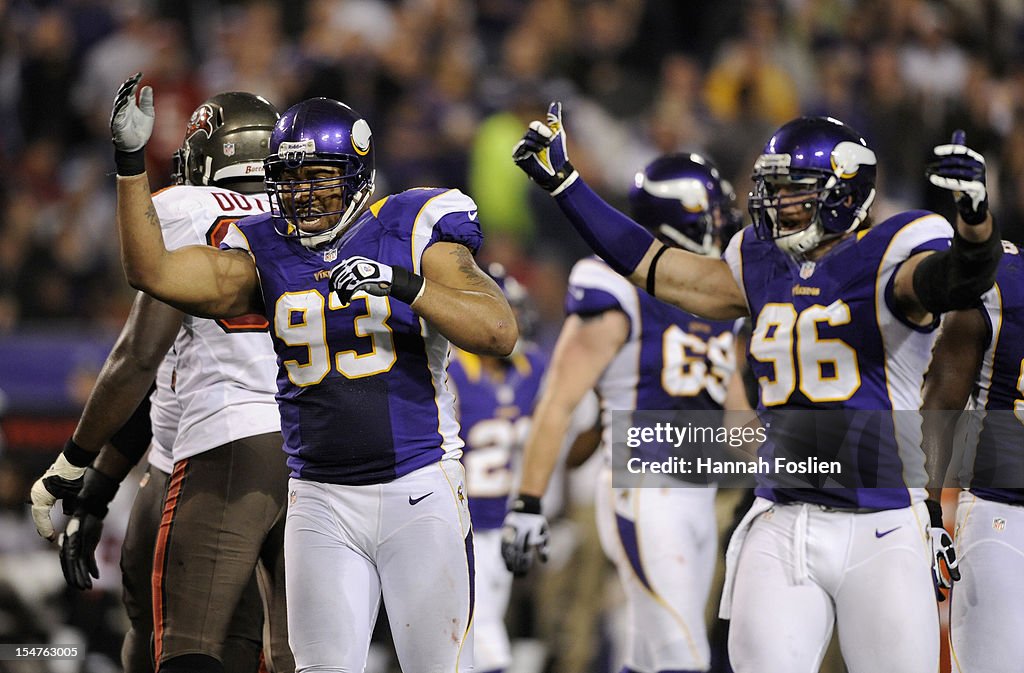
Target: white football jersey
[164, 414]
[225, 369]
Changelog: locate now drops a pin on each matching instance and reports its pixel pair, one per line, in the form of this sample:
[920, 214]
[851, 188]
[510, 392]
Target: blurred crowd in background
[448, 86]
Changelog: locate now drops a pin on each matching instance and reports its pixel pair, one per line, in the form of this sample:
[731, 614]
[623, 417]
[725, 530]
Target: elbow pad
[956, 278]
[133, 438]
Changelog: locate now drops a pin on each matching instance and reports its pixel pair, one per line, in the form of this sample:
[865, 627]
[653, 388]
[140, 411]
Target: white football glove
[360, 273]
[62, 481]
[131, 123]
[522, 535]
[944, 556]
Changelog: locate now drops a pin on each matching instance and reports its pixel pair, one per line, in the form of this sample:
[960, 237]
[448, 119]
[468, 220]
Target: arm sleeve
[620, 241]
[133, 438]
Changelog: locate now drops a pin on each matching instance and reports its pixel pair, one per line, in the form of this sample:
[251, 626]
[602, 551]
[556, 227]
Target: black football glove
[81, 537]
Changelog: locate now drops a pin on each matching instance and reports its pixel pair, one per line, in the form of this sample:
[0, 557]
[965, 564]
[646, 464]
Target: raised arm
[701, 285]
[453, 294]
[584, 349]
[200, 280]
[935, 282]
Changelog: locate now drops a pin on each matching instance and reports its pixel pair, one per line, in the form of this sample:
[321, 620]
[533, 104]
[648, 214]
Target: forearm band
[954, 279]
[652, 270]
[405, 285]
[130, 163]
[76, 455]
[528, 504]
[133, 438]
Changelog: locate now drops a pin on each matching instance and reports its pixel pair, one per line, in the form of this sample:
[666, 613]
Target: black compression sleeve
[954, 279]
[132, 440]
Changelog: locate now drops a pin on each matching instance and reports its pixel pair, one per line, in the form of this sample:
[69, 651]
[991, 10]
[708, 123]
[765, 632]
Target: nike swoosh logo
[415, 501]
[472, 214]
[884, 533]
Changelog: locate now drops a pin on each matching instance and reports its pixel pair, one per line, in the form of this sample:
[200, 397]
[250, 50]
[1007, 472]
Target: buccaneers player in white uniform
[223, 514]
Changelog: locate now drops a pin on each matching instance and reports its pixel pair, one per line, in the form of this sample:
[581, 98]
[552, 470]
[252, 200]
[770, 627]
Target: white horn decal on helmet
[847, 158]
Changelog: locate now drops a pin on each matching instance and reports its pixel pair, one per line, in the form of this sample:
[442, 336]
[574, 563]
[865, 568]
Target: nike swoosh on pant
[414, 501]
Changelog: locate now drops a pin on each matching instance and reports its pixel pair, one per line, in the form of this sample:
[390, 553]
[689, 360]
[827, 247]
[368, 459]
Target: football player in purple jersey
[844, 314]
[979, 362]
[639, 353]
[363, 301]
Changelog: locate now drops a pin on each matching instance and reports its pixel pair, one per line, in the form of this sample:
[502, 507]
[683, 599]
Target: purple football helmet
[827, 168]
[680, 198]
[319, 132]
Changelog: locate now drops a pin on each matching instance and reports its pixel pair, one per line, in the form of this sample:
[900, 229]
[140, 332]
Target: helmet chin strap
[801, 242]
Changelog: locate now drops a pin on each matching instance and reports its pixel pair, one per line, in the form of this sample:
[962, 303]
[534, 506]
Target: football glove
[62, 481]
[524, 532]
[542, 153]
[131, 124]
[943, 552]
[81, 537]
[961, 170]
[362, 273]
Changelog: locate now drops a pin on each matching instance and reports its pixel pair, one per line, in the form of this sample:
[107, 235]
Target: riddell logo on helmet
[201, 120]
[295, 151]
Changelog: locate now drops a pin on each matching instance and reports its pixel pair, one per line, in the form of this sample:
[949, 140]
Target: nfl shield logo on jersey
[806, 270]
[999, 524]
[229, 149]
[330, 255]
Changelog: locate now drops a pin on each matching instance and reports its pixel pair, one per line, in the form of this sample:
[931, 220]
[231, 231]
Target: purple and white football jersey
[997, 459]
[829, 341]
[361, 385]
[495, 417]
[671, 360]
